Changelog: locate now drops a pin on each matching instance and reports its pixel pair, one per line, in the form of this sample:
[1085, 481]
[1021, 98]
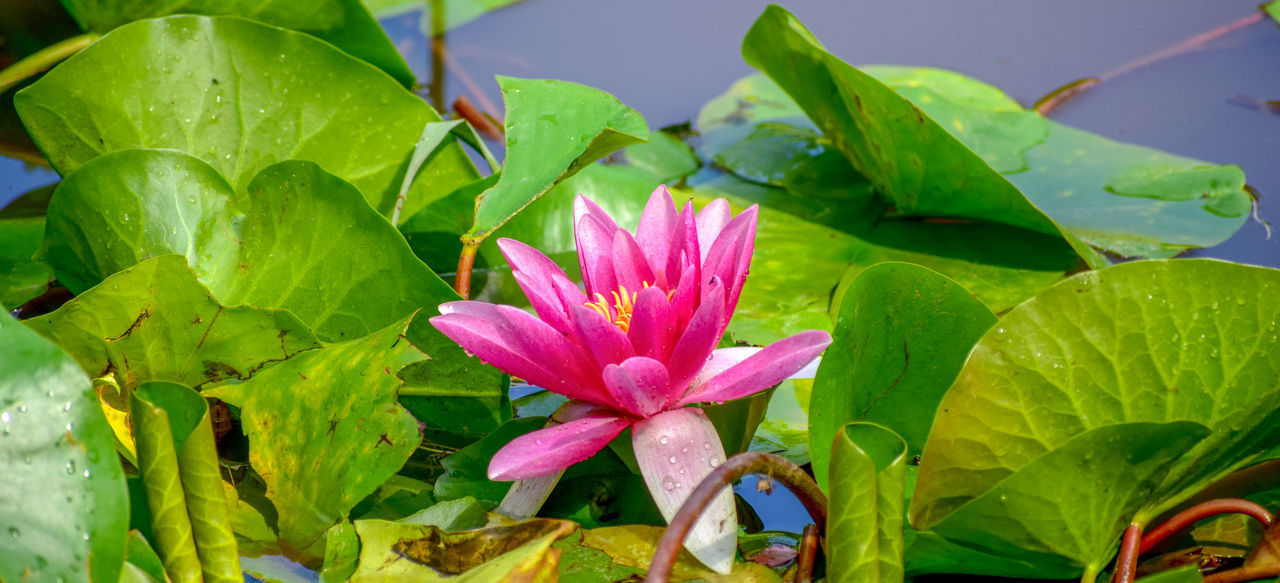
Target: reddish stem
[466, 260]
[1127, 560]
[770, 465]
[1200, 511]
[808, 552]
[1245, 574]
[476, 118]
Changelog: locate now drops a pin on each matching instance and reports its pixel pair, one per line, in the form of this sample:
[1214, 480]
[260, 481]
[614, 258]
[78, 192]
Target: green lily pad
[156, 322]
[1153, 342]
[519, 551]
[208, 87]
[1128, 199]
[545, 148]
[66, 509]
[325, 429]
[864, 529]
[903, 334]
[178, 459]
[346, 24]
[341, 553]
[21, 277]
[451, 515]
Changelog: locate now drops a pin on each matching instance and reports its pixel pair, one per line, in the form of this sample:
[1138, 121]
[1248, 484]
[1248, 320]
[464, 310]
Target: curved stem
[466, 260]
[808, 552]
[1200, 511]
[1127, 560]
[775, 467]
[1061, 95]
[1245, 574]
[43, 59]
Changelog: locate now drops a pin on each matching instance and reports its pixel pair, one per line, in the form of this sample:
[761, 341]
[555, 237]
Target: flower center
[619, 312]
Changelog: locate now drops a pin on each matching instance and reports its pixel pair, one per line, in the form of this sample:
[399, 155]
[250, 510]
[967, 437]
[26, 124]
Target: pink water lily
[634, 349]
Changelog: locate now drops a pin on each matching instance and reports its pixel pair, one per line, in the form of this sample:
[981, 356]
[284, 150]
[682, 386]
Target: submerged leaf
[63, 508]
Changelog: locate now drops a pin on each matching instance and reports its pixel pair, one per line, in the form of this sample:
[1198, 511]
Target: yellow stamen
[620, 311]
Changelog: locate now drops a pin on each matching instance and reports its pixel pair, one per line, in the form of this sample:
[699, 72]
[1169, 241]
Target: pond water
[666, 58]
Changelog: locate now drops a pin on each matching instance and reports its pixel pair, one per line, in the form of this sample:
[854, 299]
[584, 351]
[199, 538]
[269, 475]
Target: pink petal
[711, 221]
[639, 385]
[653, 325]
[544, 300]
[606, 343]
[630, 267]
[700, 337]
[730, 256]
[684, 300]
[690, 243]
[595, 255]
[551, 449]
[761, 370]
[520, 344]
[583, 206]
[657, 225]
[675, 451]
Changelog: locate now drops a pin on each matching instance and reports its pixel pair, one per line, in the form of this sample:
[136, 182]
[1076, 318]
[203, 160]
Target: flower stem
[808, 552]
[466, 260]
[43, 59]
[1127, 560]
[773, 466]
[1200, 511]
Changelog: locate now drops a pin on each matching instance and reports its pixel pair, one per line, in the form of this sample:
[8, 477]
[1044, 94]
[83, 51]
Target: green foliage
[543, 149]
[179, 464]
[346, 24]
[868, 474]
[65, 509]
[191, 88]
[903, 334]
[325, 429]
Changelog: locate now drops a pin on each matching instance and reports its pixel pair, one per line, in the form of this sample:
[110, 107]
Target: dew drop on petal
[684, 449]
[706, 445]
[671, 460]
[662, 440]
[669, 484]
[714, 462]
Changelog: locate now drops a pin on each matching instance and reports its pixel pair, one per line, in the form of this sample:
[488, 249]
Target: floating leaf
[1154, 342]
[634, 546]
[451, 515]
[207, 87]
[65, 507]
[21, 277]
[545, 148]
[179, 463]
[341, 553]
[864, 529]
[325, 429]
[903, 334]
[156, 322]
[520, 551]
[347, 24]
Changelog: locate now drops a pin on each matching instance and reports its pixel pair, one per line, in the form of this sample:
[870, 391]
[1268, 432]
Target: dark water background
[666, 58]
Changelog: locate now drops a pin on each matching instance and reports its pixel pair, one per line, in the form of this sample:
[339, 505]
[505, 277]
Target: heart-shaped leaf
[212, 88]
[903, 334]
[347, 24]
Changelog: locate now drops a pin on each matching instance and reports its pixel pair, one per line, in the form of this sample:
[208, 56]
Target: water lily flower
[634, 349]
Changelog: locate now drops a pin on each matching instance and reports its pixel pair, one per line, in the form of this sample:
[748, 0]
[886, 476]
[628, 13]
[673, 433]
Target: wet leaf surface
[65, 504]
[191, 87]
[325, 429]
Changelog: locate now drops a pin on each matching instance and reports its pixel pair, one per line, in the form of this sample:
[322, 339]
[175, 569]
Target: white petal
[675, 451]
